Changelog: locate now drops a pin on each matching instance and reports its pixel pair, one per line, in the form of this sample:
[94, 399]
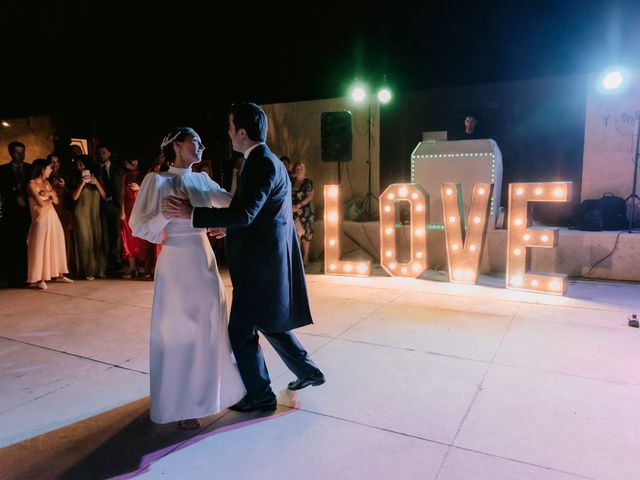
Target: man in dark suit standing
[111, 177]
[265, 264]
[15, 217]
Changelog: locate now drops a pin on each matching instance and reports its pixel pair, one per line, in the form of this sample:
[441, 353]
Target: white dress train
[191, 364]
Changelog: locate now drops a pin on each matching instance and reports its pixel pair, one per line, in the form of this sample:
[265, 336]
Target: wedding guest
[47, 256]
[89, 242]
[64, 208]
[303, 213]
[110, 177]
[287, 163]
[134, 249]
[15, 217]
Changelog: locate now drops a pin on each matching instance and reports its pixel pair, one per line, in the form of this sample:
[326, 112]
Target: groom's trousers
[250, 359]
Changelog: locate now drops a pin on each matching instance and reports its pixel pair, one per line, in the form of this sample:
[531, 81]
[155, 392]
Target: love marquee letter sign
[465, 238]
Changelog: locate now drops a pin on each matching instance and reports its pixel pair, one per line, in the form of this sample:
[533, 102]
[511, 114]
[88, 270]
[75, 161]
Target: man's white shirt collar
[248, 151]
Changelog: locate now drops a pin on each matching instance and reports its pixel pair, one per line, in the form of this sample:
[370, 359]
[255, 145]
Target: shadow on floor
[120, 443]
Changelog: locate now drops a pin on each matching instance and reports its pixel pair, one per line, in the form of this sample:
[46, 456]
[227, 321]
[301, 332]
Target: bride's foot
[191, 424]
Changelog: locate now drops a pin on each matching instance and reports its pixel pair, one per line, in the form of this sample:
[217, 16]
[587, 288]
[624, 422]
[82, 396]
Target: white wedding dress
[193, 373]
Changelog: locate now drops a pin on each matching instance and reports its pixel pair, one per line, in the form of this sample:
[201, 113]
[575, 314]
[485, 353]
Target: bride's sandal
[191, 424]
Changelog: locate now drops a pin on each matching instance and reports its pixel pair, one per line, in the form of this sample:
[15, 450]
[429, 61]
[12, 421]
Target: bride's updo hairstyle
[178, 134]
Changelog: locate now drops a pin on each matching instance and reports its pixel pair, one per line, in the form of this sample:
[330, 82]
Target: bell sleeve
[146, 219]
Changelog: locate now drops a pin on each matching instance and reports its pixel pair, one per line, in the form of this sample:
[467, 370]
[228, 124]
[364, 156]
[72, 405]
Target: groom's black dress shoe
[248, 405]
[315, 379]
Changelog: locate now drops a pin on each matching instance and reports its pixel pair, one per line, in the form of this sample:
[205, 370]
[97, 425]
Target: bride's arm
[146, 219]
[218, 196]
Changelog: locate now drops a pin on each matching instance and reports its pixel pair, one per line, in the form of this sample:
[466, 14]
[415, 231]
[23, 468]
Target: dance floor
[425, 379]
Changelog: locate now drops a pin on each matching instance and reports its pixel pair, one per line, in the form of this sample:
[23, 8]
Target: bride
[192, 370]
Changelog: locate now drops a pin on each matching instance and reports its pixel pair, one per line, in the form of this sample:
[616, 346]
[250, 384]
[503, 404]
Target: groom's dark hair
[252, 118]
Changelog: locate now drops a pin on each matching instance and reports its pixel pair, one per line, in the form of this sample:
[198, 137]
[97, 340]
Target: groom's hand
[174, 207]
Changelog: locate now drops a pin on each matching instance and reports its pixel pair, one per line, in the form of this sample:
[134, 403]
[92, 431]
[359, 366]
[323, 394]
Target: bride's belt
[179, 238]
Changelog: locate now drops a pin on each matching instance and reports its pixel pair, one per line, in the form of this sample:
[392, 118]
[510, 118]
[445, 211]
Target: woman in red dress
[134, 249]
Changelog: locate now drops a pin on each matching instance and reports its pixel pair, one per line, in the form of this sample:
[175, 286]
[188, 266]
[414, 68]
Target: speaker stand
[367, 214]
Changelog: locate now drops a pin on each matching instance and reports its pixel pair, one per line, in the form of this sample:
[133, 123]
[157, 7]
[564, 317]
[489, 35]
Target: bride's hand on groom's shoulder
[174, 207]
[217, 232]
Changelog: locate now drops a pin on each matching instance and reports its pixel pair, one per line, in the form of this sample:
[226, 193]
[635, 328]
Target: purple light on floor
[148, 460]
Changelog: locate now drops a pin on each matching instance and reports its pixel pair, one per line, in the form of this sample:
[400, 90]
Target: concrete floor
[426, 379]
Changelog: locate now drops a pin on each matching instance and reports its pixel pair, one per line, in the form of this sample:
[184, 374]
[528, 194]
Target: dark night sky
[113, 58]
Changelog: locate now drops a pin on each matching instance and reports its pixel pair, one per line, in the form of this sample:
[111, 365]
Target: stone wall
[37, 133]
[295, 131]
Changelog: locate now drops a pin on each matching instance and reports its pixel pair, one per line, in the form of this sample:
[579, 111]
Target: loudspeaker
[336, 136]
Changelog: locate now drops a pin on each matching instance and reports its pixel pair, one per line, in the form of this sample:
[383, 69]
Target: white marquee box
[465, 162]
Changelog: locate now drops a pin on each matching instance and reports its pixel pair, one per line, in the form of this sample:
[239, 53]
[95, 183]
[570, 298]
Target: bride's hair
[178, 134]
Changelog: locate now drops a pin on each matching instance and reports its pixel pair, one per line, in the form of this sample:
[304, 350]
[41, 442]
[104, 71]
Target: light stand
[367, 214]
[634, 196]
[384, 96]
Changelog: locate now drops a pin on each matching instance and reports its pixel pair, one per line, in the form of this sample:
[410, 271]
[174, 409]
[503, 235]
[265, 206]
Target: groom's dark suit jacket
[265, 264]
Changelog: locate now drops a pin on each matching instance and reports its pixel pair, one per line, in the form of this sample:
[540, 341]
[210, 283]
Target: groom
[265, 265]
